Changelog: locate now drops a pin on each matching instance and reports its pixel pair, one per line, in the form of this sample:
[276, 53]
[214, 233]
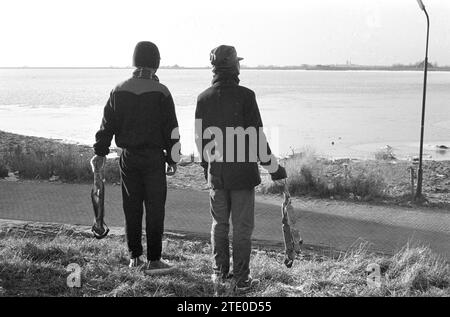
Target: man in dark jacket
[230, 140]
[140, 113]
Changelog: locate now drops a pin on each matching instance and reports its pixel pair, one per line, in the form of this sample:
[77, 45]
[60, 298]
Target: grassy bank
[41, 158]
[382, 179]
[310, 175]
[33, 158]
[35, 266]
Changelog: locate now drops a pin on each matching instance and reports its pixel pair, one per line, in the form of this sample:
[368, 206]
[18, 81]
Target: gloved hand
[171, 169]
[279, 174]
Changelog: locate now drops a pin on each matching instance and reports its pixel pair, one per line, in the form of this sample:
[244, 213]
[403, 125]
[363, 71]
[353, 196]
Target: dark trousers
[240, 204]
[144, 184]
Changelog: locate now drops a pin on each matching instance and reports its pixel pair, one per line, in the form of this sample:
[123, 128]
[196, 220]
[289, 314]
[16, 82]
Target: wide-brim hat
[224, 55]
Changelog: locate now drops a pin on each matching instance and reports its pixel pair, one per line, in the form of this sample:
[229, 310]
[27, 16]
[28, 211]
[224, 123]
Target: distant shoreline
[306, 67]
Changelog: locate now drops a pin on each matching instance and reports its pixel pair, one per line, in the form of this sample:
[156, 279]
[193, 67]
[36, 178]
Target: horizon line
[300, 67]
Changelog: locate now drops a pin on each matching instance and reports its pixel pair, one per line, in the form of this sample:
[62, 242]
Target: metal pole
[420, 171]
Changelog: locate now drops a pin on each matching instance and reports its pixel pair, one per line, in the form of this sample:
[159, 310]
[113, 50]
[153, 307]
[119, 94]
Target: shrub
[386, 154]
[3, 170]
[68, 162]
[367, 184]
[309, 175]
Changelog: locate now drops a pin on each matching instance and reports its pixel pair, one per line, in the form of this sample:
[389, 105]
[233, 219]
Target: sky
[78, 33]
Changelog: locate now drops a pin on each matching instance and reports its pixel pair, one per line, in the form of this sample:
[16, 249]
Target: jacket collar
[225, 79]
[145, 73]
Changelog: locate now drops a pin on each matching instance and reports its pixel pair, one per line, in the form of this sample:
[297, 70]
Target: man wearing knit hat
[226, 106]
[140, 113]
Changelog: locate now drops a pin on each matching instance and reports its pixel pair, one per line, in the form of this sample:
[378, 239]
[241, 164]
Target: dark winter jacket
[227, 104]
[140, 113]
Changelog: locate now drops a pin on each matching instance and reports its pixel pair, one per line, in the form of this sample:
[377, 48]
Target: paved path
[323, 223]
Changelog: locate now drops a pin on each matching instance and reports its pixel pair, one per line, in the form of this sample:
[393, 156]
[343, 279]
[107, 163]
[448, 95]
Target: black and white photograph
[226, 156]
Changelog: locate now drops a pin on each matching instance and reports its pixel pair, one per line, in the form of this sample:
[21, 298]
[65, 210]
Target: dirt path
[323, 223]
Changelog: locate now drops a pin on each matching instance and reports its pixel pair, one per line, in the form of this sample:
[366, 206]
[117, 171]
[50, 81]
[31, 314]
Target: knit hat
[146, 54]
